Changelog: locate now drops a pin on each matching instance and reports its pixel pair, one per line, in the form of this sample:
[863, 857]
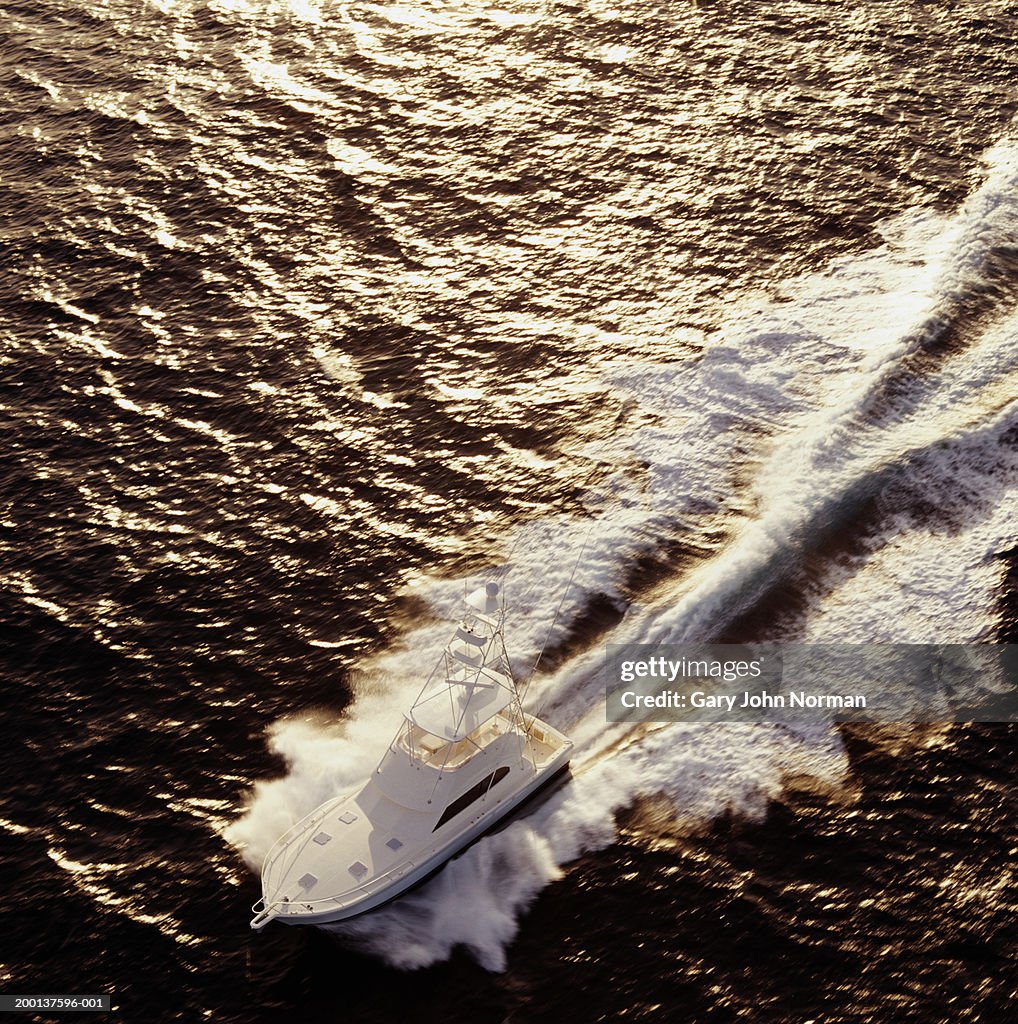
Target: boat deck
[355, 847]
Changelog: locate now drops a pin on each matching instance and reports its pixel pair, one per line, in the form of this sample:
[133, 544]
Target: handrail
[307, 821]
[296, 829]
[364, 890]
[267, 913]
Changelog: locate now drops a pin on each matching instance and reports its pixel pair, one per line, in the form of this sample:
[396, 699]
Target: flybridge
[472, 682]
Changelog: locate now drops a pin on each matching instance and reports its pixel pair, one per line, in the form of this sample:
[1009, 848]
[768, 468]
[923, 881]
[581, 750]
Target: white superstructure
[466, 755]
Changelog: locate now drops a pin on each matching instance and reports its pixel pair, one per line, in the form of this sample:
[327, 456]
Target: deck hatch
[358, 870]
[348, 817]
[394, 844]
[306, 881]
[322, 838]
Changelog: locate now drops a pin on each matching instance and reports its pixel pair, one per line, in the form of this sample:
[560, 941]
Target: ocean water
[313, 312]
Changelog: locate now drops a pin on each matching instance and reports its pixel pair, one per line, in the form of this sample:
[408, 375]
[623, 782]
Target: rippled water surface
[312, 311]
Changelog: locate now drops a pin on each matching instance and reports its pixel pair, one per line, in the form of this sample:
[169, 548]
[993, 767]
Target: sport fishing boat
[465, 757]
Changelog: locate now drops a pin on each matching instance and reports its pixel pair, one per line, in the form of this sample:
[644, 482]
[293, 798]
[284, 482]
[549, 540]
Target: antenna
[561, 601]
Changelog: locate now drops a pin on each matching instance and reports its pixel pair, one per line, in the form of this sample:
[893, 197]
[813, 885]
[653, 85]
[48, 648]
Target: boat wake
[853, 437]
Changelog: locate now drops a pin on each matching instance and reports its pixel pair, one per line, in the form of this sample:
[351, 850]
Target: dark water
[306, 307]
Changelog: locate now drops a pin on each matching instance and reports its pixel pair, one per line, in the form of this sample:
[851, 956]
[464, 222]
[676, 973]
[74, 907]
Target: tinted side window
[461, 803]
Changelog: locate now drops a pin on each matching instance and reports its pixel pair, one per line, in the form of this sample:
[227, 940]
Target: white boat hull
[295, 913]
[466, 757]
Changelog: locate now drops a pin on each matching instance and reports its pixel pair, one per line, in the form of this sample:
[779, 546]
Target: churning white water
[864, 383]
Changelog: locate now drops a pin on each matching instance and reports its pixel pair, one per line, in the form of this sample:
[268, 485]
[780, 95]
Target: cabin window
[474, 793]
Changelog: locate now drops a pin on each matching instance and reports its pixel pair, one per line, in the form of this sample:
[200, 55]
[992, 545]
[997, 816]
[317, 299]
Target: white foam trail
[769, 425]
[832, 456]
